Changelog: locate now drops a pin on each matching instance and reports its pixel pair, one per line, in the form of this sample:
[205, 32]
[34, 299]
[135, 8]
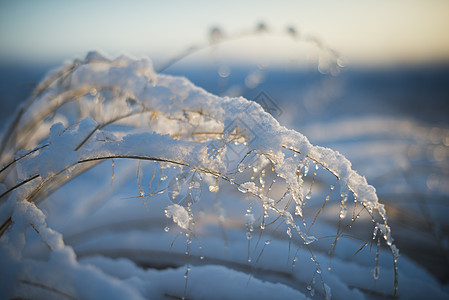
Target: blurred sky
[368, 32]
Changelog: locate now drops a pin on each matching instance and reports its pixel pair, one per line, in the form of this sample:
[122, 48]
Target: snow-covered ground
[157, 230]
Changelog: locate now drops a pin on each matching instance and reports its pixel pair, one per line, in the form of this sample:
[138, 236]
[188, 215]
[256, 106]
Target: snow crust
[179, 215]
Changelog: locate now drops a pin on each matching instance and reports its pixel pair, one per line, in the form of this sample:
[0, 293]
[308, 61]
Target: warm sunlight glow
[365, 32]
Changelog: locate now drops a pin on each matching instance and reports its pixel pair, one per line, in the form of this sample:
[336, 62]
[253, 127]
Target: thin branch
[48, 288]
[19, 185]
[22, 156]
[87, 137]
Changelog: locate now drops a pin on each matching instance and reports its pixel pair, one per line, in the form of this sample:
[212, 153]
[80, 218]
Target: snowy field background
[136, 229]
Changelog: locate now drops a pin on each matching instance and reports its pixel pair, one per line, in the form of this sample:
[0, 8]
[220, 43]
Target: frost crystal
[249, 187]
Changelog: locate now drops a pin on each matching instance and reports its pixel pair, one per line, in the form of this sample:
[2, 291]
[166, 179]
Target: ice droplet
[298, 211]
[167, 229]
[309, 239]
[267, 242]
[306, 168]
[242, 189]
[249, 218]
[195, 191]
[214, 188]
[376, 272]
[289, 232]
[201, 257]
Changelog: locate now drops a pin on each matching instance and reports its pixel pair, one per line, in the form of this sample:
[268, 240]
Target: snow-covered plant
[208, 169]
